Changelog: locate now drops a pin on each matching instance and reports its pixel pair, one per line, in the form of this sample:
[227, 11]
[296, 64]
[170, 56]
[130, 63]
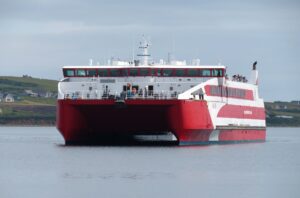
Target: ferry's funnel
[254, 74]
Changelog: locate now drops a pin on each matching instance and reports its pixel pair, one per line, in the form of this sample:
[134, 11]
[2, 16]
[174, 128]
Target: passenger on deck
[128, 90]
[146, 91]
[133, 91]
[201, 94]
[234, 78]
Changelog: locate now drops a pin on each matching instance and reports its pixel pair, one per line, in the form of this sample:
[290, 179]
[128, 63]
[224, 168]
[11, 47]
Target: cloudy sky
[37, 37]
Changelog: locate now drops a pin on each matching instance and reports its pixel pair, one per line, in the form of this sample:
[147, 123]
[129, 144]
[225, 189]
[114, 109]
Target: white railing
[100, 95]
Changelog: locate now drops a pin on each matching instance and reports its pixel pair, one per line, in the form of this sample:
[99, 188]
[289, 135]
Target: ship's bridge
[143, 71]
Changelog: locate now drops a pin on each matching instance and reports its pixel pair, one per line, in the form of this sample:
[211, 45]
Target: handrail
[92, 95]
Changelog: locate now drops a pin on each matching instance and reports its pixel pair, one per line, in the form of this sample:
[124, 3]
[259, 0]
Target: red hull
[190, 121]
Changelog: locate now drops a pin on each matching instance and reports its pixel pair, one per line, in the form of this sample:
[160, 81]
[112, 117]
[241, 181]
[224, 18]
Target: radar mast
[144, 46]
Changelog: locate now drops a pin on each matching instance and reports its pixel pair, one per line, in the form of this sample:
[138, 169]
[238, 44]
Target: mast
[144, 46]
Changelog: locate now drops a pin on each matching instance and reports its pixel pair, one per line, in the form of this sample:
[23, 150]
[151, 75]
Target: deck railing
[104, 95]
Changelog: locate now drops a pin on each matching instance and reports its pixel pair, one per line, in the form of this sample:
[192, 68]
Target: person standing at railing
[128, 90]
[201, 94]
[133, 91]
[146, 92]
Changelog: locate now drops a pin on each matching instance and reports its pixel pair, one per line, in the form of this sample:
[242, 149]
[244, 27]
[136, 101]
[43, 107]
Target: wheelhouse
[143, 71]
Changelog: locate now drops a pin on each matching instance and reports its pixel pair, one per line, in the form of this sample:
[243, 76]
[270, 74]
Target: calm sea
[35, 163]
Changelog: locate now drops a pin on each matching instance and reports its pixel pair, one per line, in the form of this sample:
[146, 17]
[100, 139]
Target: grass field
[27, 100]
[26, 114]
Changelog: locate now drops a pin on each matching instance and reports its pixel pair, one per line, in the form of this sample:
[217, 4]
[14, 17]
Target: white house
[9, 98]
[29, 92]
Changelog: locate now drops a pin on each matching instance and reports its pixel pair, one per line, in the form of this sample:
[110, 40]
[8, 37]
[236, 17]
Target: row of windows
[227, 92]
[143, 72]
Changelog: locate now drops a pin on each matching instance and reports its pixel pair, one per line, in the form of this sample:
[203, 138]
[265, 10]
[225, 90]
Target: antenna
[172, 47]
[169, 57]
[133, 46]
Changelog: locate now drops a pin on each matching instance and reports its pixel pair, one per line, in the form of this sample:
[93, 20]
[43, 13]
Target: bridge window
[152, 72]
[114, 72]
[221, 72]
[179, 72]
[123, 72]
[102, 72]
[133, 72]
[167, 72]
[91, 72]
[217, 72]
[69, 72]
[205, 72]
[144, 72]
[192, 72]
[159, 73]
[80, 72]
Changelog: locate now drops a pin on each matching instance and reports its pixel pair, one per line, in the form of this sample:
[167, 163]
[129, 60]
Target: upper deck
[144, 78]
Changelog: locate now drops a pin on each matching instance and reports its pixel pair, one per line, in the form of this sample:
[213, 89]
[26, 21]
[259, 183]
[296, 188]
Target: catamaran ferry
[198, 104]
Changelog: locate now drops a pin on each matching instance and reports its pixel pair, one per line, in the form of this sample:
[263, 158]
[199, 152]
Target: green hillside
[34, 101]
[43, 91]
[283, 113]
[12, 84]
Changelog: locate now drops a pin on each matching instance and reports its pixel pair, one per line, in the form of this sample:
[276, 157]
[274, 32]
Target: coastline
[8, 125]
[50, 124]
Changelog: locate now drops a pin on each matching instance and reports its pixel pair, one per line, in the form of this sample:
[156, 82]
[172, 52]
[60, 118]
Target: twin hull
[93, 121]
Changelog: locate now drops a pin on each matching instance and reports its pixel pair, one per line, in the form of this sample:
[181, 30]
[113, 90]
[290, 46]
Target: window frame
[103, 69]
[88, 70]
[66, 70]
[77, 74]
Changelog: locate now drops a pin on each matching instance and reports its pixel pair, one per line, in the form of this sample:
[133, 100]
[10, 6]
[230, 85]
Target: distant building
[48, 94]
[280, 106]
[29, 92]
[26, 76]
[296, 102]
[9, 98]
[41, 94]
[1, 97]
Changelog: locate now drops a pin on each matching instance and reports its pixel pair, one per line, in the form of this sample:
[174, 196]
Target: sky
[38, 37]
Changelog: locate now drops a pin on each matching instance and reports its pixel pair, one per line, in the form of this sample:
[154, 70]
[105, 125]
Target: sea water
[35, 163]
